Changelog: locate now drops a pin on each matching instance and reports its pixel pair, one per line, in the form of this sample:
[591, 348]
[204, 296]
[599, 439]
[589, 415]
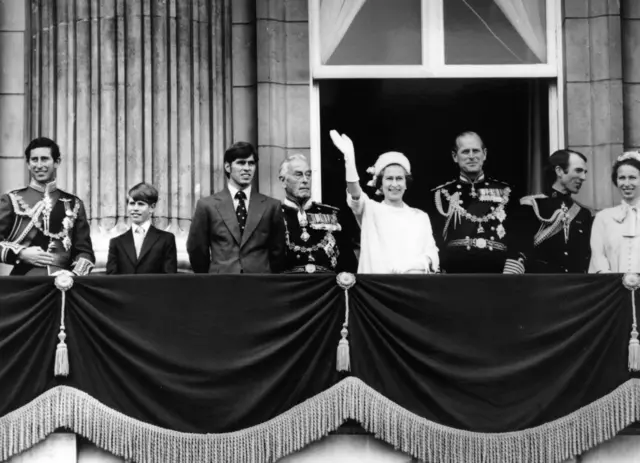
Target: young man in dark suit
[143, 248]
[237, 230]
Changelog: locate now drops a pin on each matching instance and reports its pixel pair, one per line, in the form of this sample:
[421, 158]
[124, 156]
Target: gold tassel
[64, 282]
[634, 351]
[62, 357]
[343, 362]
[345, 280]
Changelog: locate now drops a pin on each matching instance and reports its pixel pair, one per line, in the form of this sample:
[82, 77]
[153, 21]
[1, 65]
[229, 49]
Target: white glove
[344, 144]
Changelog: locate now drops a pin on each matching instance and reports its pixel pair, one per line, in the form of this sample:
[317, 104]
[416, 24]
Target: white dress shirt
[233, 190]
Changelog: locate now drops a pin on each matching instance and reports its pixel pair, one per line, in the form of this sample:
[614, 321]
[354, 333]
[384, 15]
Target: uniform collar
[464, 178]
[287, 202]
[48, 188]
[553, 193]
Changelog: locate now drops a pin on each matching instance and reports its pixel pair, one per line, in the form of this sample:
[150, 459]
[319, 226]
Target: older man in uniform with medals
[553, 229]
[315, 241]
[42, 228]
[471, 220]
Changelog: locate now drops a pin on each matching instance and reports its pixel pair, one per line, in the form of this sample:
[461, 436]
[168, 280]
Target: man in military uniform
[315, 240]
[470, 225]
[44, 229]
[553, 229]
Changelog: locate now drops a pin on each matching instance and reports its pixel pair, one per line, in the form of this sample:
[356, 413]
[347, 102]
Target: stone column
[134, 90]
[283, 86]
[13, 56]
[631, 72]
[593, 55]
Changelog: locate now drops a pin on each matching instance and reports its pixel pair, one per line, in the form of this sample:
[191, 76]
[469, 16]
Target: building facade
[155, 91]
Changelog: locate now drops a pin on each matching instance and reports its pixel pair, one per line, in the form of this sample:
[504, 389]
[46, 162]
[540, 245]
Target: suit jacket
[157, 255]
[215, 244]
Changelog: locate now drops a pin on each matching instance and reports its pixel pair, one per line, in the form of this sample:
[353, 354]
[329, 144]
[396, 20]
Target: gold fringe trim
[64, 406]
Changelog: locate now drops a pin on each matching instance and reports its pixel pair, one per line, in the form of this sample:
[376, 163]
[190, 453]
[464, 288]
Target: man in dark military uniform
[44, 229]
[470, 224]
[553, 229]
[315, 240]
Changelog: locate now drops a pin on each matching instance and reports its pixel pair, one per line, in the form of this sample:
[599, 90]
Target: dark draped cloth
[243, 368]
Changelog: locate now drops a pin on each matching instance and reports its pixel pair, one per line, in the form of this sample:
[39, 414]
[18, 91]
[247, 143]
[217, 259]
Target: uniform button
[566, 253]
[459, 186]
[566, 270]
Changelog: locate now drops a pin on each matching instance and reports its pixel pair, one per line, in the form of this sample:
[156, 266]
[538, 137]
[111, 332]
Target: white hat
[629, 155]
[387, 159]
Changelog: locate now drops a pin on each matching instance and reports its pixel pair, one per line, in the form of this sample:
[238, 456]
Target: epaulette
[491, 179]
[333, 208]
[528, 200]
[444, 185]
[18, 190]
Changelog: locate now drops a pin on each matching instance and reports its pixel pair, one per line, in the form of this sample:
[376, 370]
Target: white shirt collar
[233, 190]
[145, 226]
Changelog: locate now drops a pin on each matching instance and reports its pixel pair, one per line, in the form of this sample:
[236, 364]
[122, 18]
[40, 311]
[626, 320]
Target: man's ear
[57, 161]
[227, 167]
[454, 156]
[559, 171]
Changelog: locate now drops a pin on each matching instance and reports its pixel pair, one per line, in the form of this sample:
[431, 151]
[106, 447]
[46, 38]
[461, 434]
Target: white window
[497, 59]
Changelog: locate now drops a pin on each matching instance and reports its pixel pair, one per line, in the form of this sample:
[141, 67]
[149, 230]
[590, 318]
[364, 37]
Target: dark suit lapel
[256, 210]
[224, 204]
[149, 240]
[129, 246]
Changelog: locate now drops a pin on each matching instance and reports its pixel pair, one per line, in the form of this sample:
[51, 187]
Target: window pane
[359, 32]
[495, 31]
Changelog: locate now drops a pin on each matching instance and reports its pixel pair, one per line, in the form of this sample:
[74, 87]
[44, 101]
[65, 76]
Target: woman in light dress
[615, 237]
[395, 238]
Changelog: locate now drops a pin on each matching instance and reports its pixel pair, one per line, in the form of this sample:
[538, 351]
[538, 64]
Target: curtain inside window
[527, 17]
[335, 18]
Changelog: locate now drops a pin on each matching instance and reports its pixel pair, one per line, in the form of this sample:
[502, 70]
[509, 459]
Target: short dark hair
[408, 177]
[467, 133]
[625, 162]
[559, 158]
[43, 142]
[144, 192]
[239, 150]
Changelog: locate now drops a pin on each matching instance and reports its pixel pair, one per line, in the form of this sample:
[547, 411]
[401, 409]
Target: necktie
[138, 238]
[241, 210]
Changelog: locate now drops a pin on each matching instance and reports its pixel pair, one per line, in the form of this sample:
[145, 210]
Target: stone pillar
[13, 56]
[134, 90]
[631, 72]
[283, 86]
[593, 55]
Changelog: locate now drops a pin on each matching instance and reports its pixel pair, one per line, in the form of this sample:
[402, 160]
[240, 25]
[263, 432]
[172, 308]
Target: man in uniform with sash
[470, 225]
[42, 228]
[315, 240]
[553, 228]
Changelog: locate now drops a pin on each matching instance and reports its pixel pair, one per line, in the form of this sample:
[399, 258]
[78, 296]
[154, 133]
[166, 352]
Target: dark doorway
[421, 117]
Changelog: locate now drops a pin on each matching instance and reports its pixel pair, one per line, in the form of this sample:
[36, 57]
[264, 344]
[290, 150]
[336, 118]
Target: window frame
[433, 66]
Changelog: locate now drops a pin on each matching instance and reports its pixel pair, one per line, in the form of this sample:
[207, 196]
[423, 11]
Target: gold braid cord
[125, 437]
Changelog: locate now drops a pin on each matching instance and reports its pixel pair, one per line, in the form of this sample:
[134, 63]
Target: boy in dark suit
[237, 230]
[143, 248]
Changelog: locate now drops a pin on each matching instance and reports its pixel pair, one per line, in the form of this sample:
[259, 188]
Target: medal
[480, 228]
[310, 268]
[500, 231]
[304, 236]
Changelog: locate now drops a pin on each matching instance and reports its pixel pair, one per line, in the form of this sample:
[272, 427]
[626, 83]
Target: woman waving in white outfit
[395, 238]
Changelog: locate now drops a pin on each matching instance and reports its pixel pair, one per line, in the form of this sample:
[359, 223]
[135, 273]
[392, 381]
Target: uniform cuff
[514, 267]
[9, 252]
[82, 266]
